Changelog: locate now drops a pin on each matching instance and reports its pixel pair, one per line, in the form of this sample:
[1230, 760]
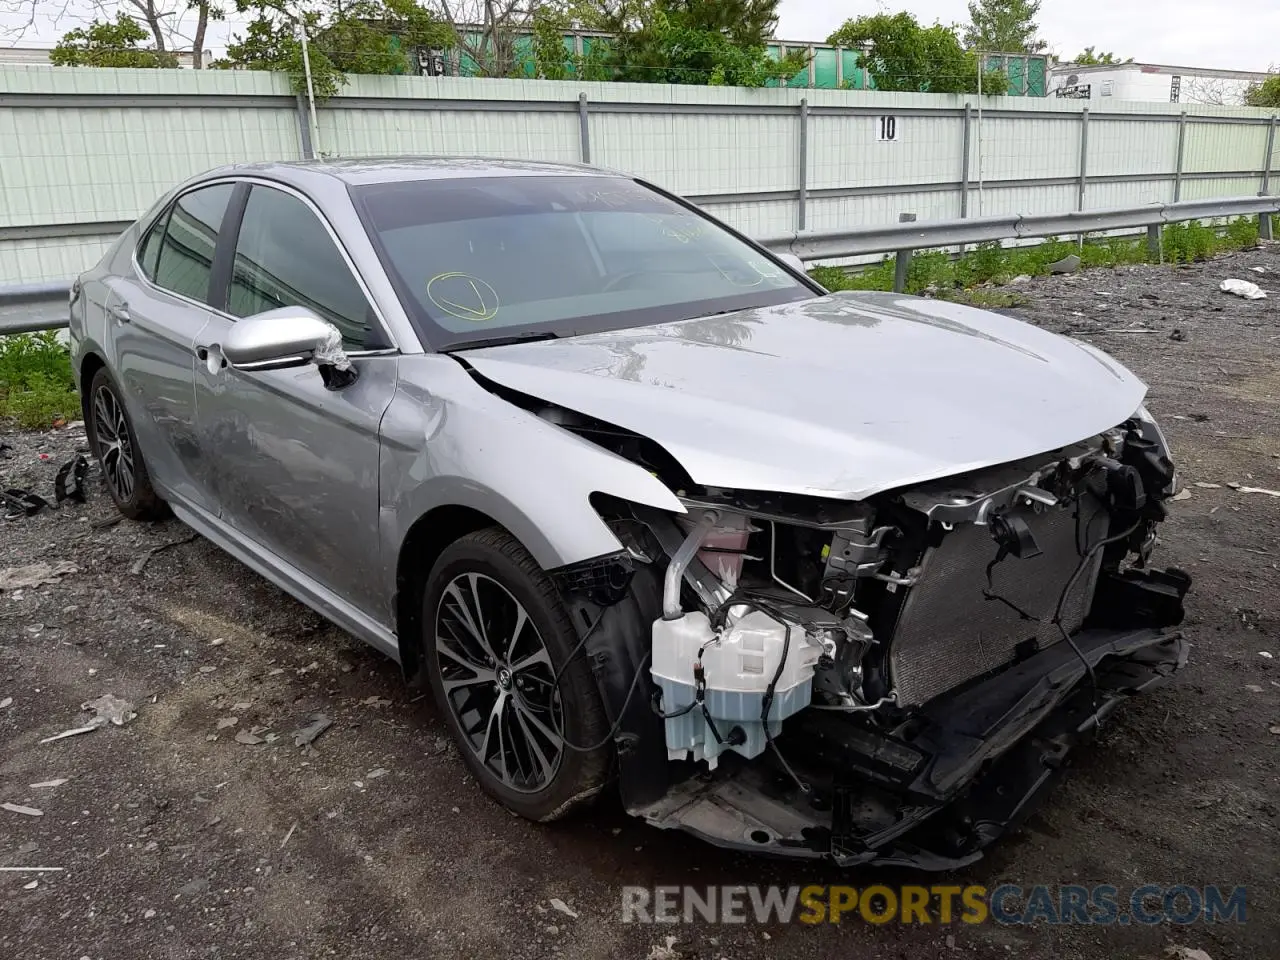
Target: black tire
[478, 565]
[113, 442]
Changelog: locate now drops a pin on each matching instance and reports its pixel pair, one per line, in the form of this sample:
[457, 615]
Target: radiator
[948, 632]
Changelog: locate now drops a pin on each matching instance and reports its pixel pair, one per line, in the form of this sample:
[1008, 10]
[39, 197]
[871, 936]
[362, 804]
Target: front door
[293, 465]
[155, 317]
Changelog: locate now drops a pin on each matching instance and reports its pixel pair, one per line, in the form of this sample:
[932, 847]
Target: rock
[558, 904]
[1068, 264]
[1183, 494]
[1177, 336]
[1185, 953]
[198, 885]
[552, 929]
[1020, 279]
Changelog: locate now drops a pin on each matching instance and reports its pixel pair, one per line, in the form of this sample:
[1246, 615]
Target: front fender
[446, 441]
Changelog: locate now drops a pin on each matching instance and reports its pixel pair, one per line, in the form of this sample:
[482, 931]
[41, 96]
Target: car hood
[840, 396]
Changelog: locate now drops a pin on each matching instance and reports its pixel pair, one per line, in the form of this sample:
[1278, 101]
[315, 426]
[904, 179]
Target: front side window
[487, 258]
[285, 257]
[184, 260]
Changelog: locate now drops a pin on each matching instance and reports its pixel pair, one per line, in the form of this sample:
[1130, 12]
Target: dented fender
[446, 441]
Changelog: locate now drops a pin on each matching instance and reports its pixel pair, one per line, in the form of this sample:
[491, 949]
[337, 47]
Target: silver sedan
[817, 574]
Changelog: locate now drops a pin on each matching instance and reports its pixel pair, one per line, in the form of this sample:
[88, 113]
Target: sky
[1224, 34]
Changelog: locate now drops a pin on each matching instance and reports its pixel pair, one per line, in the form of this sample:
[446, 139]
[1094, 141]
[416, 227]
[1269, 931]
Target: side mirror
[792, 261]
[289, 337]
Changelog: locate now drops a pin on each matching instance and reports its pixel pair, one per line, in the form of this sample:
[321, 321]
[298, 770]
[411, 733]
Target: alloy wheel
[114, 450]
[499, 682]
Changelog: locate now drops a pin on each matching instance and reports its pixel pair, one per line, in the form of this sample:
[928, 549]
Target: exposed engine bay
[891, 680]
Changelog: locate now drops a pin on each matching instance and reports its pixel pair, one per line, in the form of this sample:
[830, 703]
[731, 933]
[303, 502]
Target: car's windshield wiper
[528, 336]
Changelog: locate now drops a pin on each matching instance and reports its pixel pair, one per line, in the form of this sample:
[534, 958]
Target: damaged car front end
[891, 677]
[889, 681]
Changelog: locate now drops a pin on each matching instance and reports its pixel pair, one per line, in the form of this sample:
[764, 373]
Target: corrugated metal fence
[84, 151]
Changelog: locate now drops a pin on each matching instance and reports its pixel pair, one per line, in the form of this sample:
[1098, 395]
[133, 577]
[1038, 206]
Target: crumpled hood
[840, 396]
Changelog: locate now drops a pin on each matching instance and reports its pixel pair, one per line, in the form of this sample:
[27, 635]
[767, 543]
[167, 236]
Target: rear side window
[285, 257]
[184, 261]
[149, 251]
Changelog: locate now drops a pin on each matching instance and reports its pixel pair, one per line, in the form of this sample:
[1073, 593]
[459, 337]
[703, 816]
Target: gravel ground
[178, 839]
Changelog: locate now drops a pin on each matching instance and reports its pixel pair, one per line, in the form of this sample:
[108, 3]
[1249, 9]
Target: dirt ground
[178, 840]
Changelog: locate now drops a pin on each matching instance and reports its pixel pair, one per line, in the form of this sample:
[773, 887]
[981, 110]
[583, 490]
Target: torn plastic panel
[831, 678]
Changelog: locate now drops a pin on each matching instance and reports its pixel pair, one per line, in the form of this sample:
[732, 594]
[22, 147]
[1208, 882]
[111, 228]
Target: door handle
[211, 357]
[119, 312]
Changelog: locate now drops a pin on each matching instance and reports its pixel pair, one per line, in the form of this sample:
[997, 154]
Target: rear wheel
[496, 635]
[114, 444]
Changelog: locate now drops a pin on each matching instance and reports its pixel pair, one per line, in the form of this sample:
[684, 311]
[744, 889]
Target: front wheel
[496, 636]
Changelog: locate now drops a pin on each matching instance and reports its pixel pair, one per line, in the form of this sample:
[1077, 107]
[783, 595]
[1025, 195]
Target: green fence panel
[825, 67]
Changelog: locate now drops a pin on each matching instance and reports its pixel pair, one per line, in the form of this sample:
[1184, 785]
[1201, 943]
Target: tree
[364, 36]
[1265, 93]
[168, 21]
[720, 42]
[109, 44]
[1003, 26]
[1090, 59]
[902, 55]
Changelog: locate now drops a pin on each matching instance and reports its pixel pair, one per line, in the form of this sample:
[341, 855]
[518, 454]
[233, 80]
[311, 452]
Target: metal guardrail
[899, 238]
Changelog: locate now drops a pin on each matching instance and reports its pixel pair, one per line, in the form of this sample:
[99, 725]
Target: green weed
[36, 385]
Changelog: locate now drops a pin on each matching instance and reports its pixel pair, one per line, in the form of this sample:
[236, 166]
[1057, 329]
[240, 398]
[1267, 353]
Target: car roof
[364, 170]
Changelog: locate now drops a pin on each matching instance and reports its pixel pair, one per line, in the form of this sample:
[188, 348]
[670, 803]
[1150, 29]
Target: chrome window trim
[285, 188]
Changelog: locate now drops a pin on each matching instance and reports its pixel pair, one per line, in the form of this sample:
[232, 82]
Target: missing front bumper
[979, 760]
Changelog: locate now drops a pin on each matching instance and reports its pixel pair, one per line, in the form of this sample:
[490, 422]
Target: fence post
[902, 259]
[1155, 249]
[1264, 219]
[801, 213]
[1182, 145]
[1084, 156]
[584, 129]
[1084, 165]
[304, 128]
[965, 138]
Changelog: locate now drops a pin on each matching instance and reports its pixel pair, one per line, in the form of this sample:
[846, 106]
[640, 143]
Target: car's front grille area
[948, 632]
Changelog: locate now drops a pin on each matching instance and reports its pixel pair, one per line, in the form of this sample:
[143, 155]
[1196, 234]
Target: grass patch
[36, 386]
[968, 279]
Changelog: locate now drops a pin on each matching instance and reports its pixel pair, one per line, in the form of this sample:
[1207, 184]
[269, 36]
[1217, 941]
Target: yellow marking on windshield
[464, 296]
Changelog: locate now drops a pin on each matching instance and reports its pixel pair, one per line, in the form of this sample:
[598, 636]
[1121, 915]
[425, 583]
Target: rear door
[155, 315]
[292, 465]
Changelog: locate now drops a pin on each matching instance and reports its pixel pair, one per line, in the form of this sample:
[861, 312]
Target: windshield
[490, 259]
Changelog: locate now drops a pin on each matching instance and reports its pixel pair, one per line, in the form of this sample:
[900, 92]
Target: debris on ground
[558, 904]
[1177, 336]
[376, 773]
[1185, 953]
[45, 784]
[73, 732]
[32, 869]
[225, 722]
[664, 951]
[308, 734]
[6, 702]
[1269, 493]
[254, 736]
[1243, 288]
[35, 574]
[1068, 264]
[1208, 486]
[1183, 494]
[19, 808]
[110, 708]
[289, 834]
[107, 708]
[140, 564]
